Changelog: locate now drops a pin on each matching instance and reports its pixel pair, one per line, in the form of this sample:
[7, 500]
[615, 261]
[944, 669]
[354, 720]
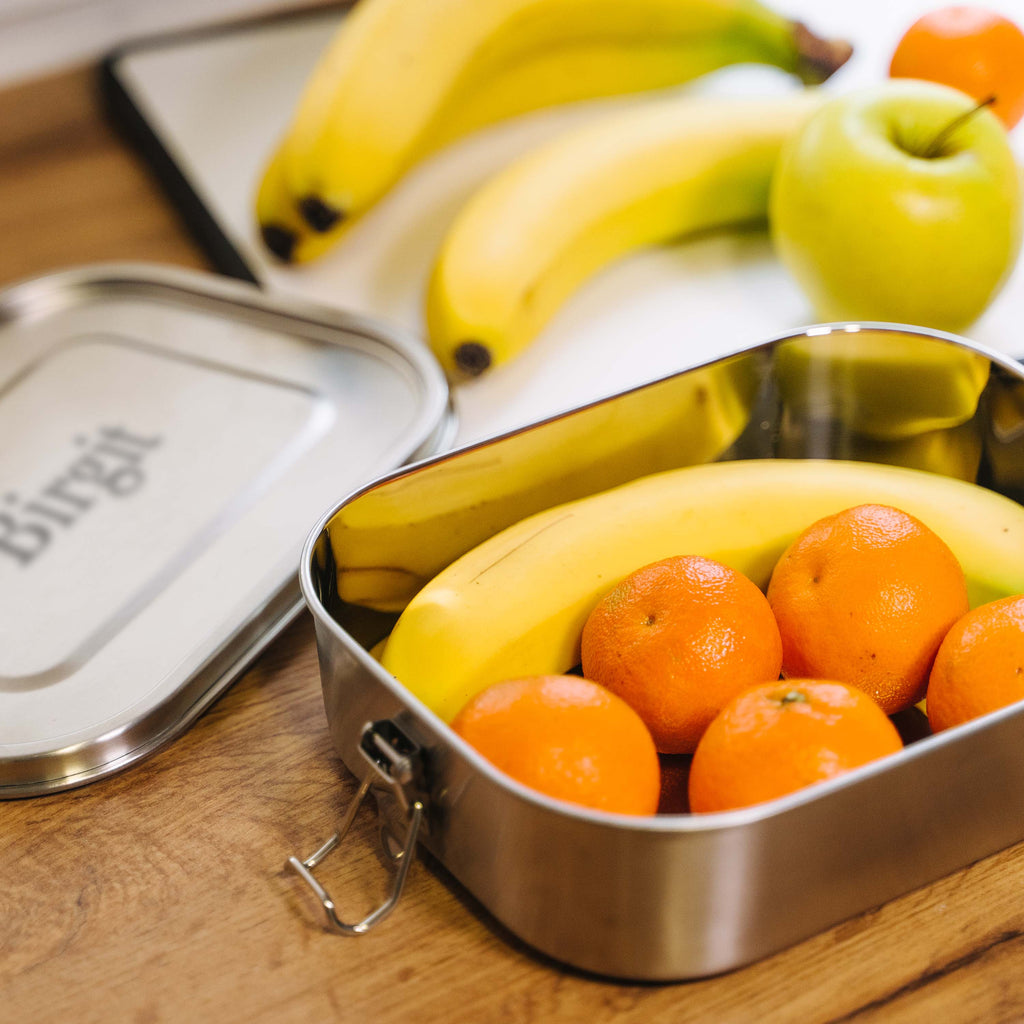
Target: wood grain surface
[161, 894]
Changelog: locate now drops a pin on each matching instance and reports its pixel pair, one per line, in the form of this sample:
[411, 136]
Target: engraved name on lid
[94, 518]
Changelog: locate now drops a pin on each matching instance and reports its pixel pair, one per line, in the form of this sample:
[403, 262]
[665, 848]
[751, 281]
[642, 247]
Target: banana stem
[818, 58]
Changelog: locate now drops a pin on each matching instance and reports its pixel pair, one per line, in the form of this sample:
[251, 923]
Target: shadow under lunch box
[674, 895]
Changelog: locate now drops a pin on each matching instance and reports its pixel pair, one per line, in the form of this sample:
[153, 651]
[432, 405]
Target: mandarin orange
[980, 664]
[678, 638]
[566, 737]
[977, 51]
[777, 738]
[866, 596]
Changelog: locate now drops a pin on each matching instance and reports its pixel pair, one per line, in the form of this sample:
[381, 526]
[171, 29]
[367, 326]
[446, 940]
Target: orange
[779, 737]
[566, 737]
[866, 596]
[676, 639]
[980, 665]
[977, 51]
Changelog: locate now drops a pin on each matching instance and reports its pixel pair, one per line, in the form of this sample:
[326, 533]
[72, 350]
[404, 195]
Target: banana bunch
[516, 603]
[393, 539]
[537, 230]
[402, 78]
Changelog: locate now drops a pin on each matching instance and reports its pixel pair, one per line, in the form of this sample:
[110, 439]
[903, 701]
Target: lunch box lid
[167, 437]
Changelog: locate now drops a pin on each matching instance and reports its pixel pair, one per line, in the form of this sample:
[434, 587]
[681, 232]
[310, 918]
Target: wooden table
[161, 894]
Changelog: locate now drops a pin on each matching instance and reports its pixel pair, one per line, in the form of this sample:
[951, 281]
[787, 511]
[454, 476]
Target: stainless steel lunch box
[678, 896]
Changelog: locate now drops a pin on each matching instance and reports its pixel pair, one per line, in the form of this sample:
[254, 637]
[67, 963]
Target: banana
[516, 604]
[562, 75]
[400, 78]
[282, 229]
[392, 540]
[533, 233]
[860, 379]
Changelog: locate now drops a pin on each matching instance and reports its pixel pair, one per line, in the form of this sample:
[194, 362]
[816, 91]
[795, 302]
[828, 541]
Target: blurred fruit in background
[532, 234]
[401, 79]
[977, 51]
[899, 202]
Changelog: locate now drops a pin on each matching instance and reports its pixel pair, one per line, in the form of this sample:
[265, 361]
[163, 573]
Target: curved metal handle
[304, 868]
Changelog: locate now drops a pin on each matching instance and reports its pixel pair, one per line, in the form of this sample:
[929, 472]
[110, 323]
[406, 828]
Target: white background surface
[220, 105]
[40, 36]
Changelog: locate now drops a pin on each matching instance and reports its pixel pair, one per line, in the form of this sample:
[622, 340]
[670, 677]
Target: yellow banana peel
[515, 604]
[401, 78]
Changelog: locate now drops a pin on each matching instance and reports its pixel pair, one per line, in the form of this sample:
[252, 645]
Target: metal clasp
[396, 760]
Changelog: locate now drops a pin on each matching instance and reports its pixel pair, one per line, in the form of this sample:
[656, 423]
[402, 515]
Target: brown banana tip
[472, 358]
[280, 241]
[320, 216]
[818, 58]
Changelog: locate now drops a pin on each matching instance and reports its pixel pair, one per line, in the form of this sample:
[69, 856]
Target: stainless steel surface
[168, 436]
[399, 770]
[678, 896]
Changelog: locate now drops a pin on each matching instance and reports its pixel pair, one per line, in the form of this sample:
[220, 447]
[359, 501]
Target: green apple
[895, 203]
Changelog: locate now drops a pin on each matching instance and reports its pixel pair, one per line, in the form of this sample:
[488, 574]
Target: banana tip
[319, 215]
[280, 241]
[472, 358]
[819, 58]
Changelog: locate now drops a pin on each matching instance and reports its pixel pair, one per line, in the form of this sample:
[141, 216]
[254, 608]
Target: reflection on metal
[880, 384]
[1004, 439]
[394, 538]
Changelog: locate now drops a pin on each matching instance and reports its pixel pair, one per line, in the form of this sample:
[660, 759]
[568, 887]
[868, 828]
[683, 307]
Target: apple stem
[935, 148]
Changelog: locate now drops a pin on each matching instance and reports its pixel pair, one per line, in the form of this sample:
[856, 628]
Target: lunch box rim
[685, 821]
